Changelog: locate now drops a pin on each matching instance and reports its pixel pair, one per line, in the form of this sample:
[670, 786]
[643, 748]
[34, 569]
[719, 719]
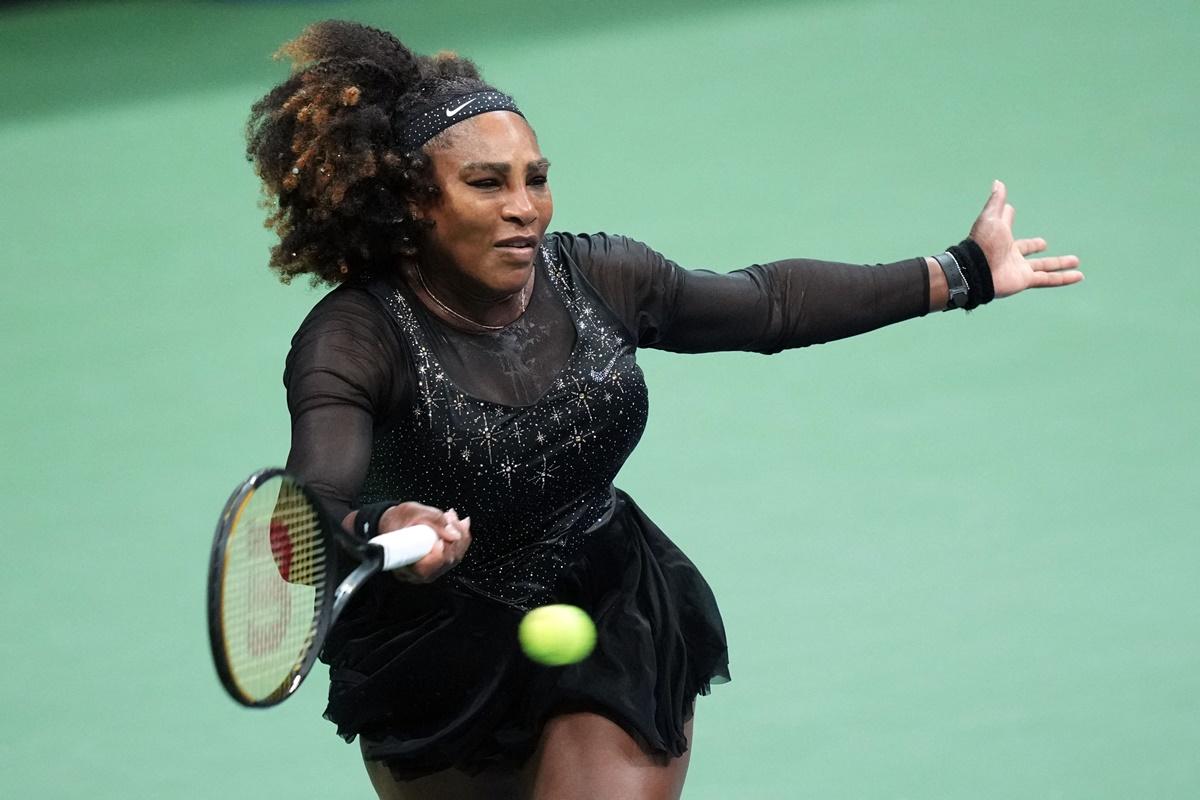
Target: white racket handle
[405, 546]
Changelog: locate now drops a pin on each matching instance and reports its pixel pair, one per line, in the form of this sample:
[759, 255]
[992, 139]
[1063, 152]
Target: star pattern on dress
[506, 468]
[580, 393]
[430, 401]
[487, 435]
[576, 438]
[540, 476]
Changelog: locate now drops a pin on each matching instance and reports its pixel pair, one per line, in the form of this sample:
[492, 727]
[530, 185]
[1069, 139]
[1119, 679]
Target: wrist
[957, 287]
[977, 270]
[964, 273]
[939, 292]
[367, 519]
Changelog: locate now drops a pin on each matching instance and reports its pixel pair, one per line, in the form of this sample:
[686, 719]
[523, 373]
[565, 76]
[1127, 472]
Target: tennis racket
[276, 585]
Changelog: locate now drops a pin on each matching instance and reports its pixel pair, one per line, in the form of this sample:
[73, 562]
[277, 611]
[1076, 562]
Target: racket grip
[405, 546]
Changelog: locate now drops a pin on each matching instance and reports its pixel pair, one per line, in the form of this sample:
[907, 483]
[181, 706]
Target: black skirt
[432, 676]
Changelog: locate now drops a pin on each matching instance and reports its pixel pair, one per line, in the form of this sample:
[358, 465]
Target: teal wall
[957, 557]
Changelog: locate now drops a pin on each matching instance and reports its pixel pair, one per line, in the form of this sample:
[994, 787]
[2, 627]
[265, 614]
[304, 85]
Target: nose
[520, 208]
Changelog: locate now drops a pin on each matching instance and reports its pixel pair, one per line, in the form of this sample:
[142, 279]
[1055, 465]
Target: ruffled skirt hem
[432, 677]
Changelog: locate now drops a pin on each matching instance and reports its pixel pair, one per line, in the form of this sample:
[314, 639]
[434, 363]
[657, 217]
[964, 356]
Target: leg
[449, 784]
[585, 756]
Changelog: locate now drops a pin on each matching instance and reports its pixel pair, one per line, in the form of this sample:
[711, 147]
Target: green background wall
[957, 557]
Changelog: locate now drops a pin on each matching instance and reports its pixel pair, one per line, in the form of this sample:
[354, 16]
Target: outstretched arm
[797, 302]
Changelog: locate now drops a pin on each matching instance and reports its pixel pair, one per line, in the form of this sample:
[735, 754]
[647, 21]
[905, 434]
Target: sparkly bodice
[536, 480]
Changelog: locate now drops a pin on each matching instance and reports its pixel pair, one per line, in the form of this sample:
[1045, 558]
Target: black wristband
[974, 265]
[366, 521]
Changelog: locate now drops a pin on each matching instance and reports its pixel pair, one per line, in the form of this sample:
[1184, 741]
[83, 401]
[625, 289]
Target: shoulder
[616, 265]
[634, 281]
[350, 305]
[602, 250]
[349, 325]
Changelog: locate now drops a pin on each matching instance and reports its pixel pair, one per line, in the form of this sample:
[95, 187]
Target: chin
[506, 279]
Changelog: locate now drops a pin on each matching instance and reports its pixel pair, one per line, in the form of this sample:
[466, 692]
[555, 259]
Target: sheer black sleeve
[344, 375]
[763, 308]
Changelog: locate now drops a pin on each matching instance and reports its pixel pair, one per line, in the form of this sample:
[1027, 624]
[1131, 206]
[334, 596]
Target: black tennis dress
[523, 430]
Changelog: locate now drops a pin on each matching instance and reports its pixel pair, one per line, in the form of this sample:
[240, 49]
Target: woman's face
[494, 206]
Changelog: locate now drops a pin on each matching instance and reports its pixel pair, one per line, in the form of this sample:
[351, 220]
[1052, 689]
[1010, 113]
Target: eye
[539, 180]
[484, 183]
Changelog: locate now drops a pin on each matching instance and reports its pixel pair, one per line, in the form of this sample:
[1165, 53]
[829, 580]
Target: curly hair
[337, 186]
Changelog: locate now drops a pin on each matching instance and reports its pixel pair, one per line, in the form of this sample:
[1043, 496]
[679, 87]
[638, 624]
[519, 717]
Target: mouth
[518, 245]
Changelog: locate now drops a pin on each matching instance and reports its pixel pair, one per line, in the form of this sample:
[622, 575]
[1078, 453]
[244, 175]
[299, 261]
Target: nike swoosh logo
[450, 112]
[602, 375]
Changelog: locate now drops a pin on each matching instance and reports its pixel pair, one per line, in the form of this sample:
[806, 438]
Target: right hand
[454, 537]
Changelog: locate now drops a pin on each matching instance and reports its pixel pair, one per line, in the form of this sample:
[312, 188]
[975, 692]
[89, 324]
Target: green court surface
[957, 557]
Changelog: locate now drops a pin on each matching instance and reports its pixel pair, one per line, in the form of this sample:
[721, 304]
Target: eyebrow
[503, 167]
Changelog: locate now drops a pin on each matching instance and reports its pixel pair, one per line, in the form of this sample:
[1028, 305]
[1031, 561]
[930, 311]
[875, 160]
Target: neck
[462, 309]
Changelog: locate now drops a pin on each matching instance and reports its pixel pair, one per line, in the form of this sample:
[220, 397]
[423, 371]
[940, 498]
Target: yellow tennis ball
[557, 635]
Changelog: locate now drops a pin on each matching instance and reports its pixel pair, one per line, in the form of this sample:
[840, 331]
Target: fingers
[1027, 246]
[1043, 280]
[1054, 271]
[1007, 214]
[450, 530]
[448, 551]
[1054, 263]
[992, 229]
[462, 536]
[399, 516]
[410, 513]
[462, 526]
[1051, 264]
[454, 537]
[444, 556]
[995, 203]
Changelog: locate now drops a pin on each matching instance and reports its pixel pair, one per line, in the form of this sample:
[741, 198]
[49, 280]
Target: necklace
[451, 311]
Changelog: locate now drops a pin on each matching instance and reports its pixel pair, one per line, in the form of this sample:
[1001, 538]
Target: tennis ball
[557, 635]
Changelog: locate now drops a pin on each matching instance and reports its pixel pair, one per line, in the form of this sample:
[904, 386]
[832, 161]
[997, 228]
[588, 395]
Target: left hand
[1012, 272]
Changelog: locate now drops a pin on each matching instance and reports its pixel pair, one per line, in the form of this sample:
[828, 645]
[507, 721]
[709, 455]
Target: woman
[473, 372]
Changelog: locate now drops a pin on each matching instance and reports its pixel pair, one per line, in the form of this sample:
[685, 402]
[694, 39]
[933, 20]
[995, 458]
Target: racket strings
[274, 587]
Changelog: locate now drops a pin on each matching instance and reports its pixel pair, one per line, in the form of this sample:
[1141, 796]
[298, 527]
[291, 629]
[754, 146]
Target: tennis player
[473, 371]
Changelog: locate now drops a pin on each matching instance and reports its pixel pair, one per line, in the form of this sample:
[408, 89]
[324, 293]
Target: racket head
[271, 581]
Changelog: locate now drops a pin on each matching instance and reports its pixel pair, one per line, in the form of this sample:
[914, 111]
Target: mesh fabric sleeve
[344, 377]
[763, 308]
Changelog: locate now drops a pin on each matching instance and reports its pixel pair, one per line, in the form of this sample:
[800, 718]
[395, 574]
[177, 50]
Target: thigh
[450, 784]
[586, 756]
